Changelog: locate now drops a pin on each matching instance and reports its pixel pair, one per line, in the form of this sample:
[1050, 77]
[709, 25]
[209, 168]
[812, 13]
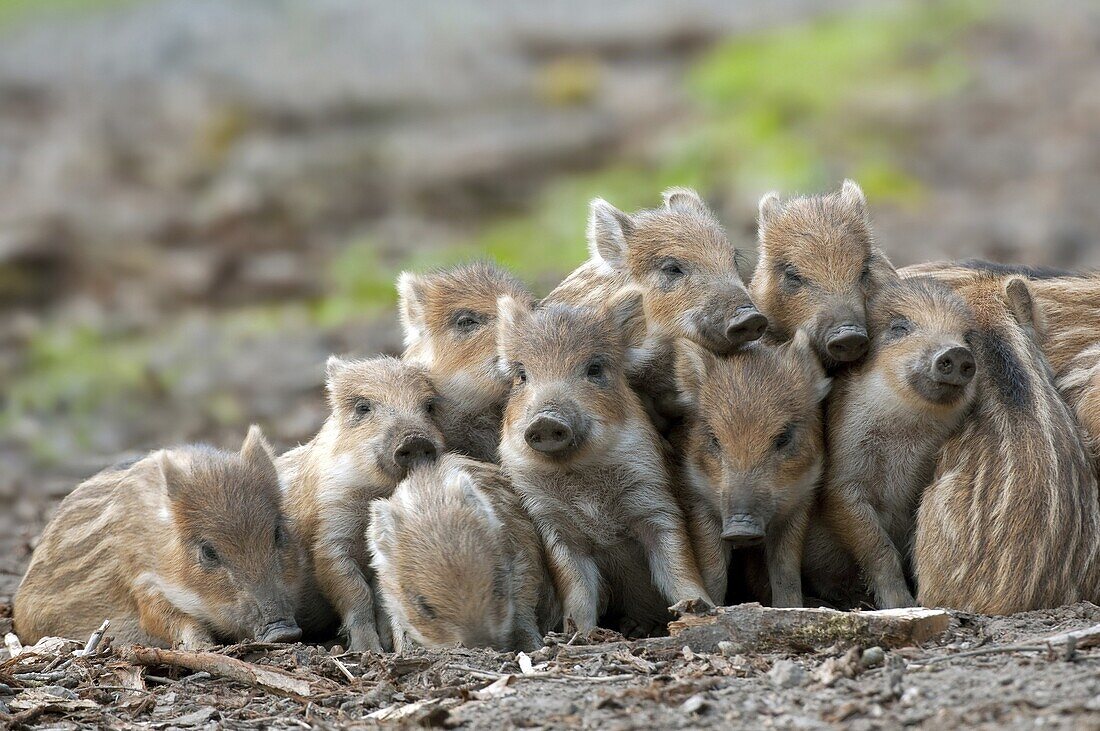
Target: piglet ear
[334, 366]
[410, 298]
[801, 350]
[770, 209]
[258, 453]
[382, 532]
[608, 229]
[685, 200]
[852, 196]
[693, 363]
[460, 483]
[512, 315]
[1024, 307]
[627, 312]
[175, 472]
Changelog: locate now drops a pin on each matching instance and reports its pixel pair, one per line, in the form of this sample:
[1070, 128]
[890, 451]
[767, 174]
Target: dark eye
[280, 536]
[595, 369]
[429, 406]
[784, 438]
[791, 276]
[466, 321]
[363, 407]
[521, 373]
[900, 327]
[208, 556]
[672, 268]
[866, 273]
[424, 608]
[712, 440]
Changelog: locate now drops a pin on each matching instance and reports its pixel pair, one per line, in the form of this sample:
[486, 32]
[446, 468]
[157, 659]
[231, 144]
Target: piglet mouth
[281, 630]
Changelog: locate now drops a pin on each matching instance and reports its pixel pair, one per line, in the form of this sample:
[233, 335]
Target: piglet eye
[208, 555]
[424, 608]
[363, 407]
[712, 440]
[595, 369]
[521, 373]
[900, 327]
[280, 536]
[791, 276]
[785, 437]
[672, 268]
[866, 273]
[429, 406]
[466, 321]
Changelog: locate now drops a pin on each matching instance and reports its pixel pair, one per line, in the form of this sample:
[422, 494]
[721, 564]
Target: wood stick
[93, 642]
[231, 668]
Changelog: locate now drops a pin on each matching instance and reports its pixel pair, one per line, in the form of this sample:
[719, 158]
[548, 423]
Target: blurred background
[201, 199]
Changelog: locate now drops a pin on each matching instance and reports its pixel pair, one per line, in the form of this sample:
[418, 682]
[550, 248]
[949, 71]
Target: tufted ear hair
[685, 200]
[851, 195]
[334, 366]
[257, 452]
[692, 365]
[770, 209]
[460, 484]
[1025, 308]
[410, 299]
[801, 350]
[176, 474]
[608, 229]
[382, 532]
[627, 312]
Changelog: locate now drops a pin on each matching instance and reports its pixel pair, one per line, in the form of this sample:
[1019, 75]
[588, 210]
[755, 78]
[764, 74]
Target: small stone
[787, 674]
[58, 691]
[6, 690]
[694, 704]
[727, 648]
[872, 657]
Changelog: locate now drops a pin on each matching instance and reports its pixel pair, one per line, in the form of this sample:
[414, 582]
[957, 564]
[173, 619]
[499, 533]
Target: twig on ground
[93, 642]
[343, 669]
[1070, 642]
[277, 681]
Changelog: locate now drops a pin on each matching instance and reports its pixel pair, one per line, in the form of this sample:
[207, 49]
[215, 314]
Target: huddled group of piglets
[650, 432]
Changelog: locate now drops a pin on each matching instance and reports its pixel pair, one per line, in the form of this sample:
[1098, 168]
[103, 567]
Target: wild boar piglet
[186, 546]
[680, 258]
[449, 321]
[888, 419]
[754, 443]
[379, 427]
[589, 466]
[1010, 521]
[459, 561]
[817, 266]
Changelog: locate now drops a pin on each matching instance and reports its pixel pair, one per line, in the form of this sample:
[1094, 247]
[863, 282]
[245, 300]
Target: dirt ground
[111, 217]
[599, 681]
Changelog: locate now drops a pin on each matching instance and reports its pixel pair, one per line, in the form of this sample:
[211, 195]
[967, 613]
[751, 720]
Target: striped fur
[1011, 521]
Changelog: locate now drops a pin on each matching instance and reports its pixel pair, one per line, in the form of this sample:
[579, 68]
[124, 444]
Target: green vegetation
[17, 10]
[789, 109]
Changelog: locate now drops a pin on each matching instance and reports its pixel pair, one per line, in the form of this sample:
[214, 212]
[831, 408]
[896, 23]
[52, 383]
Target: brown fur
[886, 423]
[614, 532]
[754, 443]
[1070, 303]
[817, 266]
[330, 482]
[645, 250]
[1010, 522]
[449, 321]
[128, 545]
[459, 561]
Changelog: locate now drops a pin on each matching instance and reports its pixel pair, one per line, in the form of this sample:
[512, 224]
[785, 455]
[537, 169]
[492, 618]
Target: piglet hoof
[692, 606]
[364, 640]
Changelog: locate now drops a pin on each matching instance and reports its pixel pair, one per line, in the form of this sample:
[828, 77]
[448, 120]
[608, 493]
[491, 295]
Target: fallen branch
[276, 681]
[93, 642]
[753, 628]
